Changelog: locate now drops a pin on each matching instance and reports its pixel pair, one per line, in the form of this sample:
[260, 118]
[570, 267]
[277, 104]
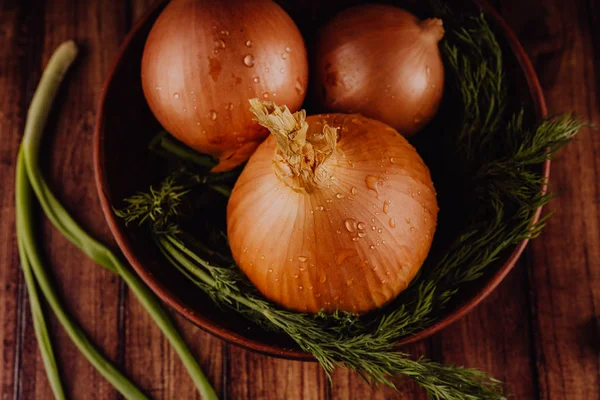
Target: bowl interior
[125, 126]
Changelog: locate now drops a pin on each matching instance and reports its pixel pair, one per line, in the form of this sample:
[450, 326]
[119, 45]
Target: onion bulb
[332, 211]
[382, 62]
[204, 59]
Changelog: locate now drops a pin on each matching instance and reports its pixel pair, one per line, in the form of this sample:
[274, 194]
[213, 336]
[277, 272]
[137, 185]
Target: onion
[204, 59]
[334, 211]
[382, 62]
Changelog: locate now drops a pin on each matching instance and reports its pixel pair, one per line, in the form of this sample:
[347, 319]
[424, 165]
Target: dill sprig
[370, 354]
[157, 205]
[502, 181]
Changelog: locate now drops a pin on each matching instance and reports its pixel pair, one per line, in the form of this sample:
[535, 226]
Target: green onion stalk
[29, 177]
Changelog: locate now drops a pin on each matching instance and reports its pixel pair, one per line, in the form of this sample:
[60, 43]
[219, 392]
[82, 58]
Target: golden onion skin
[355, 241]
[204, 59]
[382, 62]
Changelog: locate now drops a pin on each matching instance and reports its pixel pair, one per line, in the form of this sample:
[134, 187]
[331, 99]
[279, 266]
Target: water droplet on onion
[299, 88]
[373, 183]
[249, 60]
[350, 225]
[386, 206]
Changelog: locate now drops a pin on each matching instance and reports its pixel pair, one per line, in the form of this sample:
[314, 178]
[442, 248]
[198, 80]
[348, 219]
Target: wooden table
[534, 332]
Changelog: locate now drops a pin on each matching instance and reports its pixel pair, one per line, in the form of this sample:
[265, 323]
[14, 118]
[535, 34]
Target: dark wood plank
[90, 293]
[152, 363]
[254, 376]
[563, 39]
[12, 307]
[495, 337]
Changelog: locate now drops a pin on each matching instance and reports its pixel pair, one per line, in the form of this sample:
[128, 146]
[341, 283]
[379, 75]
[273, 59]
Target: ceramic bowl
[123, 166]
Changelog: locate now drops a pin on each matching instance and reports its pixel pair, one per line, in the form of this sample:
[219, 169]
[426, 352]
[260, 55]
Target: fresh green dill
[371, 356]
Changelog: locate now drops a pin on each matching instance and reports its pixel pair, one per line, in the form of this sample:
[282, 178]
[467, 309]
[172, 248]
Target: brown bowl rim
[293, 354]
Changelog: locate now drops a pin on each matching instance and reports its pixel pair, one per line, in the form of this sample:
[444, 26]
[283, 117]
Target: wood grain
[255, 376]
[91, 293]
[534, 332]
[495, 337]
[12, 307]
[564, 41]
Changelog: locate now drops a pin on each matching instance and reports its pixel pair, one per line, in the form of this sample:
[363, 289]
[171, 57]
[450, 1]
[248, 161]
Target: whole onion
[382, 62]
[332, 211]
[204, 59]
